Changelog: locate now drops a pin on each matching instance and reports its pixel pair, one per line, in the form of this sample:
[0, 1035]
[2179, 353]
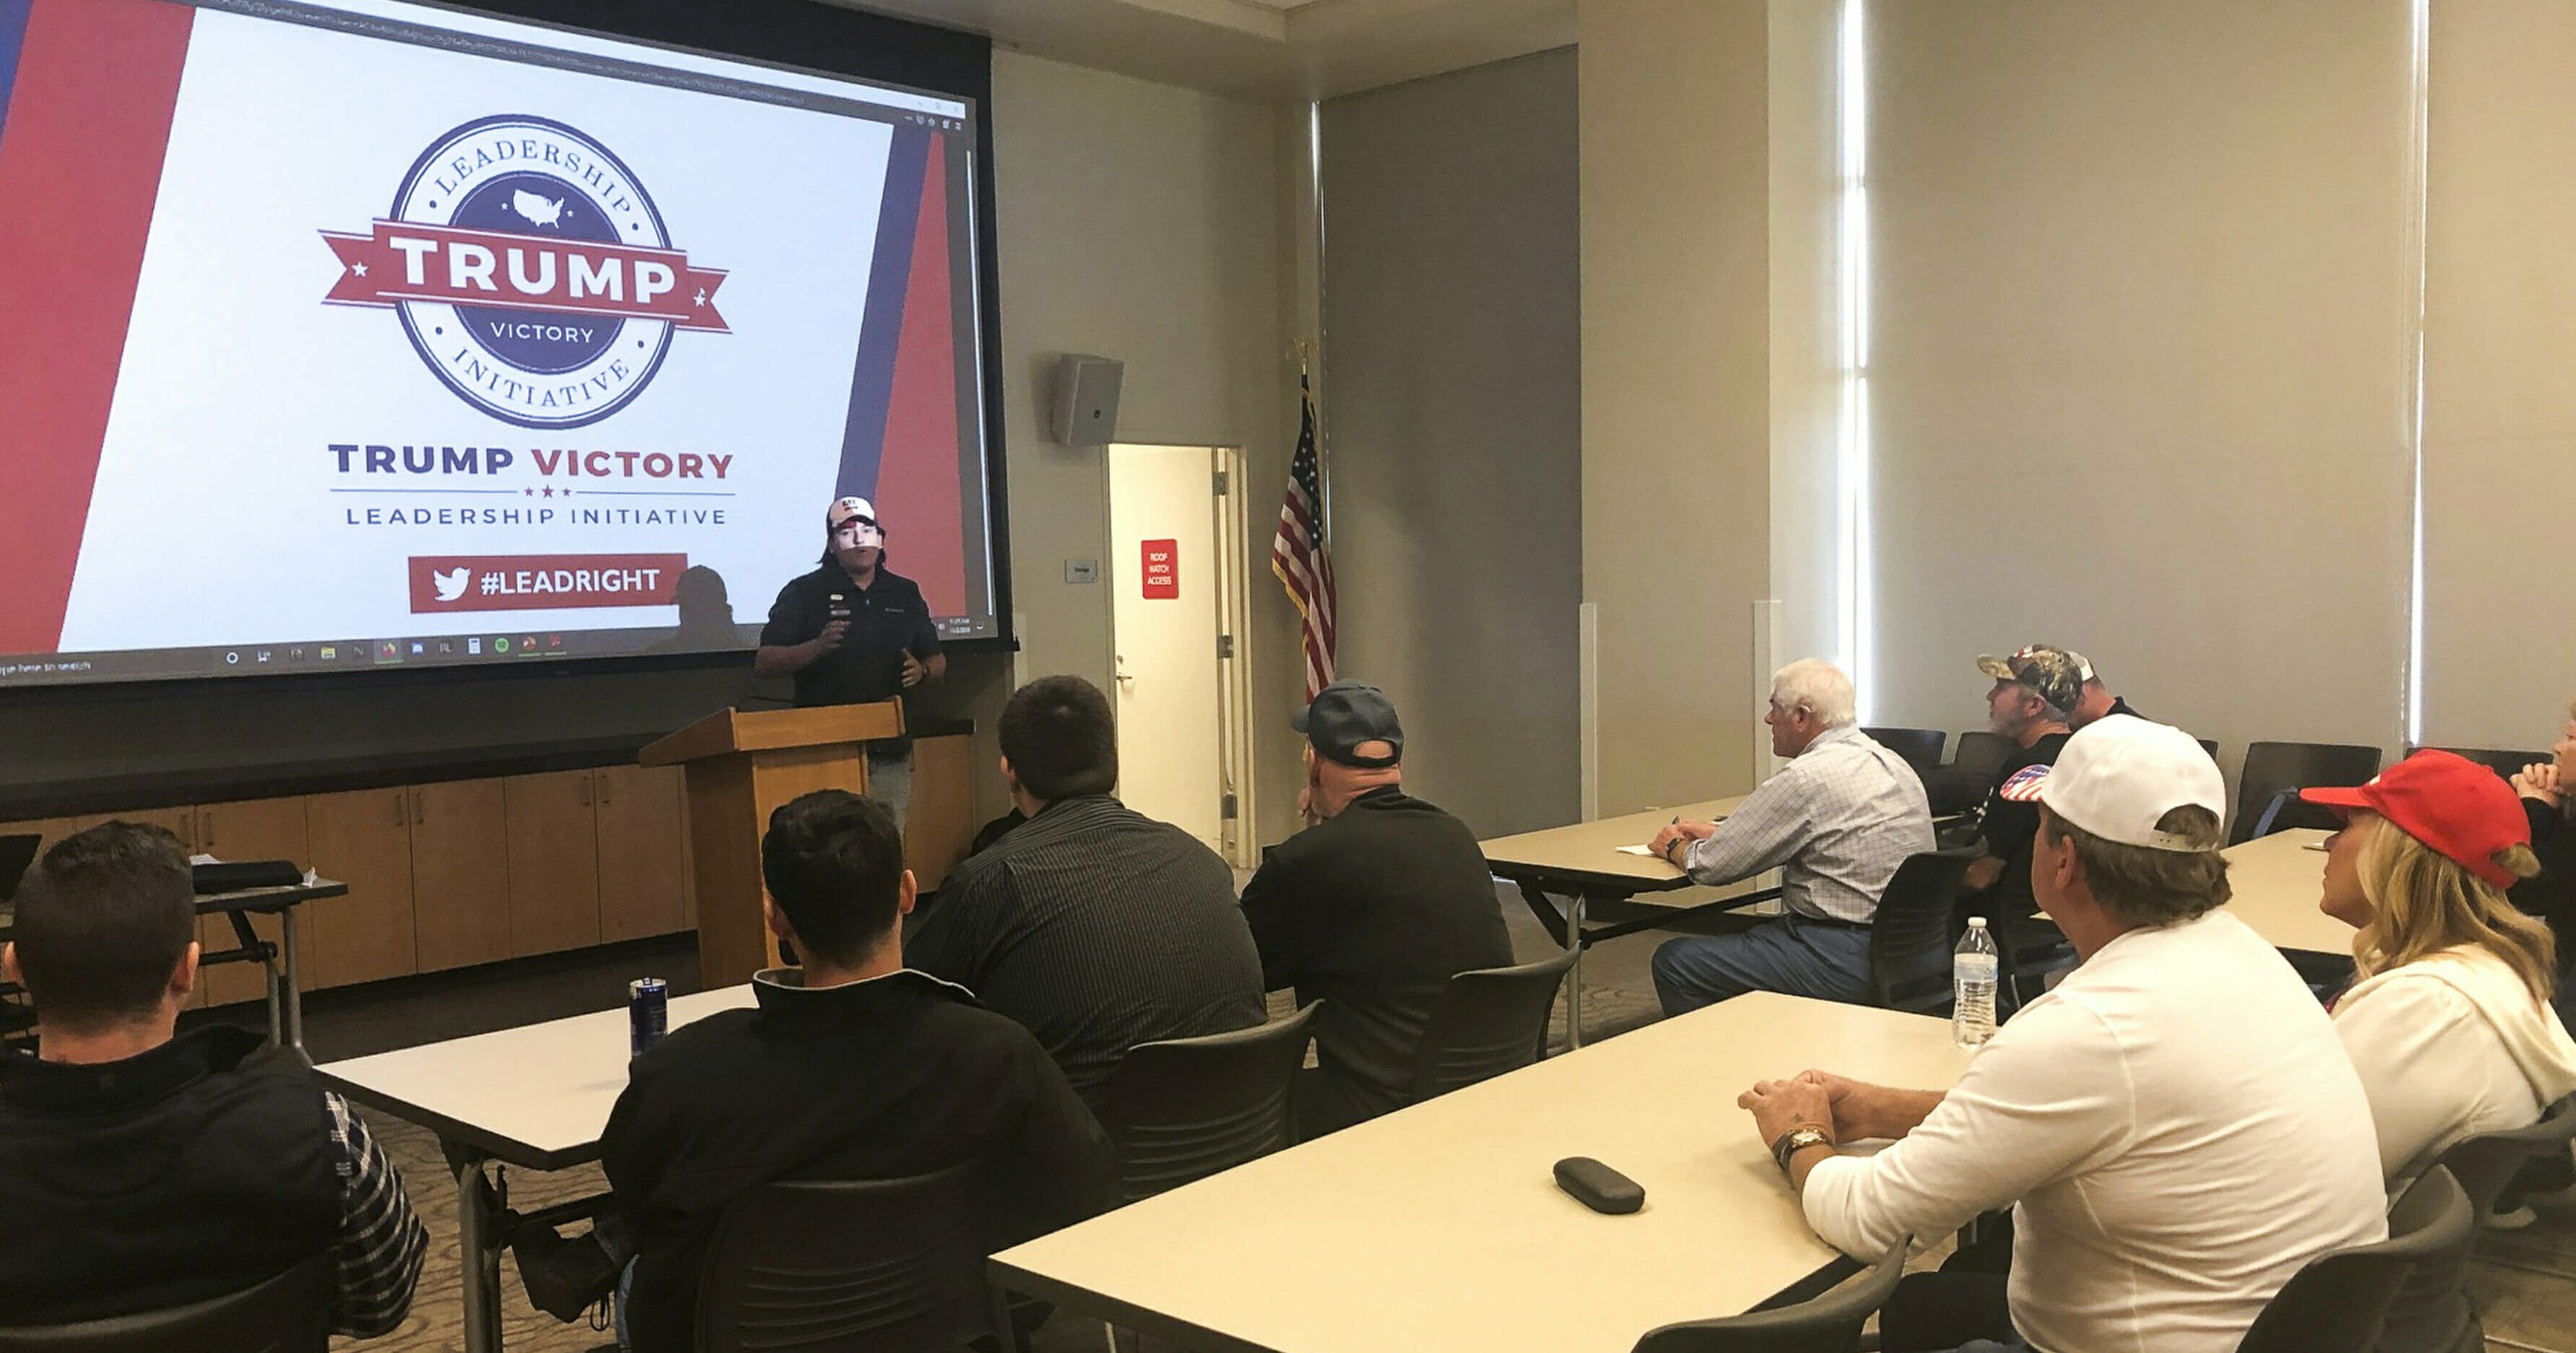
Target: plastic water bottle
[1972, 975]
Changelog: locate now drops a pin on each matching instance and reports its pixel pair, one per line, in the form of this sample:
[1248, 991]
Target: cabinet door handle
[419, 808]
[603, 788]
[206, 827]
[399, 812]
[585, 789]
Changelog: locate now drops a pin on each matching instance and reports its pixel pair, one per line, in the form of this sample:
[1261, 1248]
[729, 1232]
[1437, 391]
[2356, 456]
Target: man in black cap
[1373, 908]
[854, 632]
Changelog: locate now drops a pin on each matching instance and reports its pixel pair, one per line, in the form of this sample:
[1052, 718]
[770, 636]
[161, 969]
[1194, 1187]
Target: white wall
[1453, 316]
[1142, 222]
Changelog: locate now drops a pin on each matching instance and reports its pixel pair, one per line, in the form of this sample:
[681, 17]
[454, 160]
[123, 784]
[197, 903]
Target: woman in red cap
[2448, 1020]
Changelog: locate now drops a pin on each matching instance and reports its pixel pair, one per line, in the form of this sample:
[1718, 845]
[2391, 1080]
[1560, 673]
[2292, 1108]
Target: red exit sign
[1162, 570]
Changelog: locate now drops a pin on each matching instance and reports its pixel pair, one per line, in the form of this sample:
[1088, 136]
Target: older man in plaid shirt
[1836, 822]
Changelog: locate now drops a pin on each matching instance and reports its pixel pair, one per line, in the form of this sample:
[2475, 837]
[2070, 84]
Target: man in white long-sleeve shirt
[2176, 1125]
[1836, 822]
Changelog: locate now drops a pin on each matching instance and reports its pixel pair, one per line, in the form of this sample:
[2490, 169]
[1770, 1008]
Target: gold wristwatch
[1795, 1140]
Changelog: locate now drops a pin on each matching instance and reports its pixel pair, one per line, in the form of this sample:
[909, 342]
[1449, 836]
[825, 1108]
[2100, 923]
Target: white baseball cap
[2119, 776]
[843, 509]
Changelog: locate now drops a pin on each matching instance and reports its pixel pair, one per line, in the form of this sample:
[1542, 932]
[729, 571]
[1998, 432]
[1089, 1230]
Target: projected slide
[358, 333]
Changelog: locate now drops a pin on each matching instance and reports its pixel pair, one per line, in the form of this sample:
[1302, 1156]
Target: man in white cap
[2175, 1125]
[854, 632]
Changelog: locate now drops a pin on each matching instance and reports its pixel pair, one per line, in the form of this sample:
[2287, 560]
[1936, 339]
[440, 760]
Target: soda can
[648, 1013]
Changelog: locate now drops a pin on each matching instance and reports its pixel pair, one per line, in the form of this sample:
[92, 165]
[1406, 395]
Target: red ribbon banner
[405, 261]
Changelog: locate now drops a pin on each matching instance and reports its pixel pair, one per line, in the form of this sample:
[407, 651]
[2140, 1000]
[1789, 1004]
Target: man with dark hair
[852, 1067]
[141, 1169]
[1092, 924]
[1372, 909]
[2175, 1124]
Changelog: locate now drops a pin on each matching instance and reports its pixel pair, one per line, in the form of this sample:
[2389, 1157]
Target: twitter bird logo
[451, 584]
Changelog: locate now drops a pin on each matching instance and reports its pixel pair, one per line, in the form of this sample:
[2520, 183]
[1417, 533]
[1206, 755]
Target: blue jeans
[890, 782]
[1790, 954]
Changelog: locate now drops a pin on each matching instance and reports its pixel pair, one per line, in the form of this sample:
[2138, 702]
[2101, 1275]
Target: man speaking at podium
[852, 633]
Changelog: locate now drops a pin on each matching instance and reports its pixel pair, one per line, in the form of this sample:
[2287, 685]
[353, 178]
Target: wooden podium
[741, 767]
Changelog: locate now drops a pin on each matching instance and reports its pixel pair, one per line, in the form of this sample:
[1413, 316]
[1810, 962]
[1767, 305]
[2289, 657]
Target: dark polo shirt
[888, 619]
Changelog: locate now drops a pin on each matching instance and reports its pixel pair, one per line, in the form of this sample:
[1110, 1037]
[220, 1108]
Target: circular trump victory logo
[531, 272]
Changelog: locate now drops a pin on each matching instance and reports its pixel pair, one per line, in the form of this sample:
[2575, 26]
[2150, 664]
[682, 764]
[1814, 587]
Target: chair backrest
[1184, 1108]
[2504, 763]
[1488, 1021]
[1921, 747]
[2337, 1303]
[1983, 753]
[2484, 1164]
[1829, 1324]
[849, 1266]
[290, 1313]
[2431, 1311]
[2209, 745]
[1909, 939]
[2288, 812]
[2272, 768]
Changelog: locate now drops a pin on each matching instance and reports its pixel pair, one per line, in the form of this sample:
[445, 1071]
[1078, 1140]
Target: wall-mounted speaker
[1086, 399]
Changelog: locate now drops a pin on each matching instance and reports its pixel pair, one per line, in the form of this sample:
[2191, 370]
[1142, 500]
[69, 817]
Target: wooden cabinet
[48, 830]
[460, 884]
[254, 829]
[363, 839]
[554, 861]
[940, 824]
[643, 856]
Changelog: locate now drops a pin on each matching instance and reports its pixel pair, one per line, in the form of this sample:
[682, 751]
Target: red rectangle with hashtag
[541, 582]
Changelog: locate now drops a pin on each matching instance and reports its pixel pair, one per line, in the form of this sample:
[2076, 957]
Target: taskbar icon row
[383, 652]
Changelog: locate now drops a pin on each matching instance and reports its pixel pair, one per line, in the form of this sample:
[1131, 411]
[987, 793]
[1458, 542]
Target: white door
[1164, 513]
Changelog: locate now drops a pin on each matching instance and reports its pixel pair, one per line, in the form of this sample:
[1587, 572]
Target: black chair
[2274, 767]
[2506, 764]
[2209, 745]
[1983, 754]
[2287, 812]
[1488, 1021]
[1184, 1108]
[851, 1266]
[1829, 1324]
[2337, 1303]
[2432, 1313]
[1910, 937]
[290, 1313]
[1921, 747]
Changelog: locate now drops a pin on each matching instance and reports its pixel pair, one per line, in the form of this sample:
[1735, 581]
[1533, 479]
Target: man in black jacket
[141, 1171]
[1093, 925]
[1373, 909]
[853, 1067]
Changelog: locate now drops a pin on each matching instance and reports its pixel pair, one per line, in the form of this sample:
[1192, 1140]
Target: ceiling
[1294, 49]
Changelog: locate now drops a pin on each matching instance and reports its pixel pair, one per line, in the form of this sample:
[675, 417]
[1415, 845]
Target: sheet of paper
[1646, 851]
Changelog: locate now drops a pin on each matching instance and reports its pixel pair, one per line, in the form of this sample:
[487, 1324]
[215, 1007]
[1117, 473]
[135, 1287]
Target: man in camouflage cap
[2034, 691]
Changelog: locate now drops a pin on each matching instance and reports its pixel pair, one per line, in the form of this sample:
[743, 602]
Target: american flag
[1299, 556]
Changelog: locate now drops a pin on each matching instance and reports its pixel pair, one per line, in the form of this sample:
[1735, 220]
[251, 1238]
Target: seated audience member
[2028, 703]
[141, 1169]
[2548, 790]
[1836, 822]
[851, 1067]
[2174, 1124]
[1373, 909]
[2093, 699]
[1093, 925]
[2448, 1020]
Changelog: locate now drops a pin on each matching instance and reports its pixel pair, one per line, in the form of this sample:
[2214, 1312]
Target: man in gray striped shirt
[1836, 822]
